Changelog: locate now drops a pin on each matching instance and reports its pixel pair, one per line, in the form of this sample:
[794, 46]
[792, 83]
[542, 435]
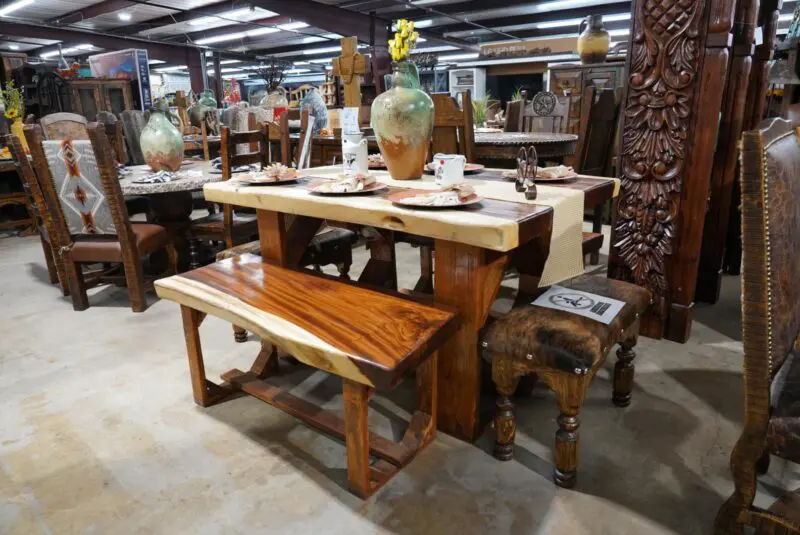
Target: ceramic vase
[205, 103]
[593, 41]
[402, 119]
[161, 142]
[17, 129]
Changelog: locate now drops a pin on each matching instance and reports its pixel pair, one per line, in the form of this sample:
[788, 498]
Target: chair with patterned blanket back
[770, 186]
[82, 192]
[54, 262]
[564, 349]
[330, 245]
[64, 126]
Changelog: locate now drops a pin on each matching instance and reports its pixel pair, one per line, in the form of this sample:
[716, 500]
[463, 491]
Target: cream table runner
[566, 244]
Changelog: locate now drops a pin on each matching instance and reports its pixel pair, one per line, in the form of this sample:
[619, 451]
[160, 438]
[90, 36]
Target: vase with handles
[161, 141]
[402, 119]
[17, 129]
[593, 40]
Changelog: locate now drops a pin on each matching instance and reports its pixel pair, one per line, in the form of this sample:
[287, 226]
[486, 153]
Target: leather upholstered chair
[770, 186]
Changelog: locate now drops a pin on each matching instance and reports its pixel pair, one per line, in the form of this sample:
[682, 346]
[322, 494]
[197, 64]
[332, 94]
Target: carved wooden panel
[664, 67]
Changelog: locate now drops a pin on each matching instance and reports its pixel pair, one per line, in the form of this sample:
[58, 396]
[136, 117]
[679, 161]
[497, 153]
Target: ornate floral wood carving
[663, 69]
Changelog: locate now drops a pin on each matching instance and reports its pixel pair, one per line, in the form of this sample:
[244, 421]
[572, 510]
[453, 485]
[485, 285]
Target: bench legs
[364, 479]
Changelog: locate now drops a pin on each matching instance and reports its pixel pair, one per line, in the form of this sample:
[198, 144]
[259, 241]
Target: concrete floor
[99, 435]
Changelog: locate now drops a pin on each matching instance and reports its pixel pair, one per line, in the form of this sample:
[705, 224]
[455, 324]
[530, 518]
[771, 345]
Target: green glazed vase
[402, 119]
[161, 142]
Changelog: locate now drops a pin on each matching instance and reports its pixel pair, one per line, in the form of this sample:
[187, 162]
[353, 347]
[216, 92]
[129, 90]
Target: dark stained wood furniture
[501, 149]
[370, 339]
[770, 186]
[132, 125]
[94, 190]
[676, 72]
[537, 119]
[572, 79]
[53, 259]
[90, 96]
[15, 197]
[453, 126]
[565, 350]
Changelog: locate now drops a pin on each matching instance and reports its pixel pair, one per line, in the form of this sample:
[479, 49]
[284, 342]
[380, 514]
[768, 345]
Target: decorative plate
[400, 198]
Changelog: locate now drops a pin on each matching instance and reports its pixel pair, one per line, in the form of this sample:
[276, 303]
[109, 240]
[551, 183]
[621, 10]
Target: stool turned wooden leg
[194, 254]
[505, 426]
[344, 271]
[506, 378]
[570, 393]
[239, 334]
[356, 402]
[623, 373]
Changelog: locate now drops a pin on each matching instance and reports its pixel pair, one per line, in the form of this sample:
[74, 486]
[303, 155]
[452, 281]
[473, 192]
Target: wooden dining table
[474, 246]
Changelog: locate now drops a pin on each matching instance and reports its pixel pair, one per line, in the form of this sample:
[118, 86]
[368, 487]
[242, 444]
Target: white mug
[449, 168]
[355, 158]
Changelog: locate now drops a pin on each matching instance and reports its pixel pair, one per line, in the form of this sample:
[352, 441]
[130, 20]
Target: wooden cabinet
[93, 95]
[572, 79]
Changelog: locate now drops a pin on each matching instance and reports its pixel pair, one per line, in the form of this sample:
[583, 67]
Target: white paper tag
[349, 121]
[596, 307]
[270, 115]
[759, 36]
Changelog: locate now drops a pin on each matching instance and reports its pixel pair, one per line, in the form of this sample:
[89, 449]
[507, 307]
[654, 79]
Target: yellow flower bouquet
[12, 101]
[404, 41]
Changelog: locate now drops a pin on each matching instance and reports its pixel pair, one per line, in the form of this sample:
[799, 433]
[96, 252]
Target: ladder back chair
[132, 125]
[546, 112]
[770, 186]
[82, 192]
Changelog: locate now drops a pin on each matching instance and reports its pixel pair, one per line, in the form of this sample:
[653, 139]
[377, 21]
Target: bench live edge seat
[370, 338]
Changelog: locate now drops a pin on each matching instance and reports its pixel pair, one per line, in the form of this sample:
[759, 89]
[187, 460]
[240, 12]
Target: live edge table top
[491, 224]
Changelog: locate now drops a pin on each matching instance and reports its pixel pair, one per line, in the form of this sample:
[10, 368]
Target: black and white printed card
[596, 307]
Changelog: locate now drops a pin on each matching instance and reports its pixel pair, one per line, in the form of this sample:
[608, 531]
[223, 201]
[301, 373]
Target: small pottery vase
[161, 142]
[316, 104]
[205, 103]
[593, 41]
[17, 129]
[402, 119]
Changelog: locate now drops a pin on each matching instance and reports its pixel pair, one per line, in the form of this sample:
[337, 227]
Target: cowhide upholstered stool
[565, 350]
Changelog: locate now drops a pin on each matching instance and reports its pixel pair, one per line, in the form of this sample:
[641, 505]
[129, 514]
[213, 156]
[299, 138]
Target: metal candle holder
[527, 166]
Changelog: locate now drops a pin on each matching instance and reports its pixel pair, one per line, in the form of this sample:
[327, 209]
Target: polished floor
[99, 435]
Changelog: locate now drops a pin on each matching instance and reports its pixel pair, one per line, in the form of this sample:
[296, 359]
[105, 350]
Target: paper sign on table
[349, 120]
[593, 306]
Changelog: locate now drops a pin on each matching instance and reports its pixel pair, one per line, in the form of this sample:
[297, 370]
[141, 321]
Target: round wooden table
[506, 145]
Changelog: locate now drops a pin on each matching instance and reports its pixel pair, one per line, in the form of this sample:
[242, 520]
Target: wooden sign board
[539, 47]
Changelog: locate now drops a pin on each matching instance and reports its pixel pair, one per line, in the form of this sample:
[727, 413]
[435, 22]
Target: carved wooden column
[676, 78]
[725, 172]
[768, 14]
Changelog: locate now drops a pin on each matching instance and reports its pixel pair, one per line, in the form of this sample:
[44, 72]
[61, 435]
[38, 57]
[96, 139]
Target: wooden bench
[370, 338]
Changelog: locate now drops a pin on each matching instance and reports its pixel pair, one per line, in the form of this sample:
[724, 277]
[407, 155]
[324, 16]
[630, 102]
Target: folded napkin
[157, 178]
[449, 196]
[274, 173]
[559, 171]
[346, 184]
[216, 164]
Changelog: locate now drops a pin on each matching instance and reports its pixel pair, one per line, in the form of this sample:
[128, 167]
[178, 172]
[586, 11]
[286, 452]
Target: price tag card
[596, 307]
[349, 120]
[270, 115]
[759, 36]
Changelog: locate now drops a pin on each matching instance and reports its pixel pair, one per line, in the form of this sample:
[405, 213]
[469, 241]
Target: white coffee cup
[354, 154]
[449, 168]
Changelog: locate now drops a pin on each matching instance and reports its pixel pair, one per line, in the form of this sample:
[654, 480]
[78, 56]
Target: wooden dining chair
[132, 125]
[82, 193]
[55, 265]
[598, 127]
[113, 130]
[514, 114]
[64, 126]
[453, 126]
[770, 190]
[546, 112]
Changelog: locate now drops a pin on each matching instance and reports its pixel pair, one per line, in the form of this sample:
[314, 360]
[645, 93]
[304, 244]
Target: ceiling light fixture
[15, 6]
[454, 57]
[323, 50]
[69, 50]
[235, 14]
[308, 40]
[155, 62]
[423, 23]
[124, 15]
[574, 22]
[293, 26]
[171, 69]
[296, 71]
[13, 46]
[786, 16]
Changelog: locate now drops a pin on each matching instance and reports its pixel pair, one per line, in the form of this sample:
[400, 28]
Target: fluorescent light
[293, 26]
[301, 62]
[332, 36]
[786, 16]
[170, 69]
[155, 61]
[442, 48]
[421, 40]
[15, 6]
[220, 38]
[124, 15]
[224, 62]
[231, 69]
[454, 57]
[323, 50]
[327, 60]
[296, 71]
[423, 23]
[13, 47]
[69, 50]
[574, 22]
[308, 40]
[261, 31]
[614, 33]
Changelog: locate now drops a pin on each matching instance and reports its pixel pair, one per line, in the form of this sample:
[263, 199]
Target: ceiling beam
[90, 12]
[189, 37]
[182, 16]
